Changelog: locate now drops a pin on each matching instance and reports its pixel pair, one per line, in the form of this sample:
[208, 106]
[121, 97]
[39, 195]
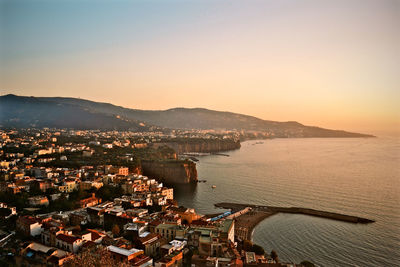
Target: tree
[94, 258]
[247, 245]
[115, 230]
[4, 212]
[307, 264]
[258, 249]
[274, 256]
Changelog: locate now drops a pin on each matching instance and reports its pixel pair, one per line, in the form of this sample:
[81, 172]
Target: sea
[354, 176]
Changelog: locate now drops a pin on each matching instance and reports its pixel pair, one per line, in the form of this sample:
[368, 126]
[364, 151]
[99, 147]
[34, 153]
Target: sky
[334, 64]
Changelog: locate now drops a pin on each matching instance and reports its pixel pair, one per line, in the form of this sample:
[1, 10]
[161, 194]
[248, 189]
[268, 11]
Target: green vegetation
[19, 200]
[108, 192]
[115, 230]
[307, 264]
[117, 156]
[249, 246]
[274, 256]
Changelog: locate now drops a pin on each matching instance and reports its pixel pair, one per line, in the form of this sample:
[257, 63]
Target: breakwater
[297, 210]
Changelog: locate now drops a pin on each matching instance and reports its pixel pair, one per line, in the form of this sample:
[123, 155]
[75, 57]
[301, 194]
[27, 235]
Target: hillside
[25, 112]
[20, 111]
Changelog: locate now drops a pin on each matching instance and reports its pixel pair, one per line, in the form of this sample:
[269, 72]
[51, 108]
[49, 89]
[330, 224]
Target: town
[81, 198]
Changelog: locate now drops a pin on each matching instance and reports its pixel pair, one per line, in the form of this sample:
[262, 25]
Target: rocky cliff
[170, 172]
[203, 146]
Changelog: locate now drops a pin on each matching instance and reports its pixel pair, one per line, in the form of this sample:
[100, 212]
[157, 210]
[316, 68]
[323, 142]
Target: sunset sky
[334, 64]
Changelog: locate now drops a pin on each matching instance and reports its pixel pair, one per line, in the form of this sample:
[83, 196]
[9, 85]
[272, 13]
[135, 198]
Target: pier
[246, 222]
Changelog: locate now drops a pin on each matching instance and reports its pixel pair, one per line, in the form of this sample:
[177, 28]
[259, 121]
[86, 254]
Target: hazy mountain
[20, 111]
[24, 112]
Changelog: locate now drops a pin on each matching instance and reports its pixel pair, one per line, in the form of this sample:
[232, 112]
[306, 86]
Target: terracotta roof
[155, 222]
[200, 223]
[178, 209]
[95, 234]
[147, 238]
[29, 220]
[67, 238]
[140, 259]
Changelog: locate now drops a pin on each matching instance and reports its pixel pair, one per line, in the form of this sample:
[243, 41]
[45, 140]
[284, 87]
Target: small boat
[214, 186]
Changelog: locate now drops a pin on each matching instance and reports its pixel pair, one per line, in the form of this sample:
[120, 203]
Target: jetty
[296, 210]
[246, 221]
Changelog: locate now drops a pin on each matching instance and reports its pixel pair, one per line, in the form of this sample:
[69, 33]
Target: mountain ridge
[19, 111]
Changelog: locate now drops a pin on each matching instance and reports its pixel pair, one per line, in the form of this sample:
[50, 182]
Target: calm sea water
[352, 176]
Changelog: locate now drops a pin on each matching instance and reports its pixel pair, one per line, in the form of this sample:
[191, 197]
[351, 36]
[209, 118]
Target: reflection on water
[353, 176]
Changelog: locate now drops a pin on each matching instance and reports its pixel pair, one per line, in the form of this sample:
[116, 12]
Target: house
[34, 252]
[168, 192]
[227, 230]
[173, 246]
[124, 171]
[78, 217]
[41, 185]
[90, 201]
[38, 201]
[159, 200]
[133, 257]
[29, 226]
[96, 236]
[68, 186]
[68, 242]
[151, 244]
[48, 236]
[137, 212]
[168, 231]
[172, 260]
[86, 185]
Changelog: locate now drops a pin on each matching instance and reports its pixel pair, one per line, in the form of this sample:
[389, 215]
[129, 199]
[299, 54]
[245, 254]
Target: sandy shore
[245, 224]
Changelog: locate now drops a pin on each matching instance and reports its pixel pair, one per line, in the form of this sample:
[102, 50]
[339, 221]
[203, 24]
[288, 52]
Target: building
[38, 201]
[29, 226]
[68, 242]
[120, 170]
[90, 201]
[168, 192]
[86, 185]
[34, 252]
[133, 257]
[174, 259]
[68, 186]
[151, 244]
[168, 231]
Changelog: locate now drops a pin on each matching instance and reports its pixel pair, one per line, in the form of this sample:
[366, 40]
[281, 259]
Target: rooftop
[122, 251]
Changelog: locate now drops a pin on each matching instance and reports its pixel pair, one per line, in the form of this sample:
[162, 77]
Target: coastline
[246, 223]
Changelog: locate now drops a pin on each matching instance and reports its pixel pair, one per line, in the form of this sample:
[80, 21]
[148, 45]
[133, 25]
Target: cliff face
[204, 146]
[170, 172]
